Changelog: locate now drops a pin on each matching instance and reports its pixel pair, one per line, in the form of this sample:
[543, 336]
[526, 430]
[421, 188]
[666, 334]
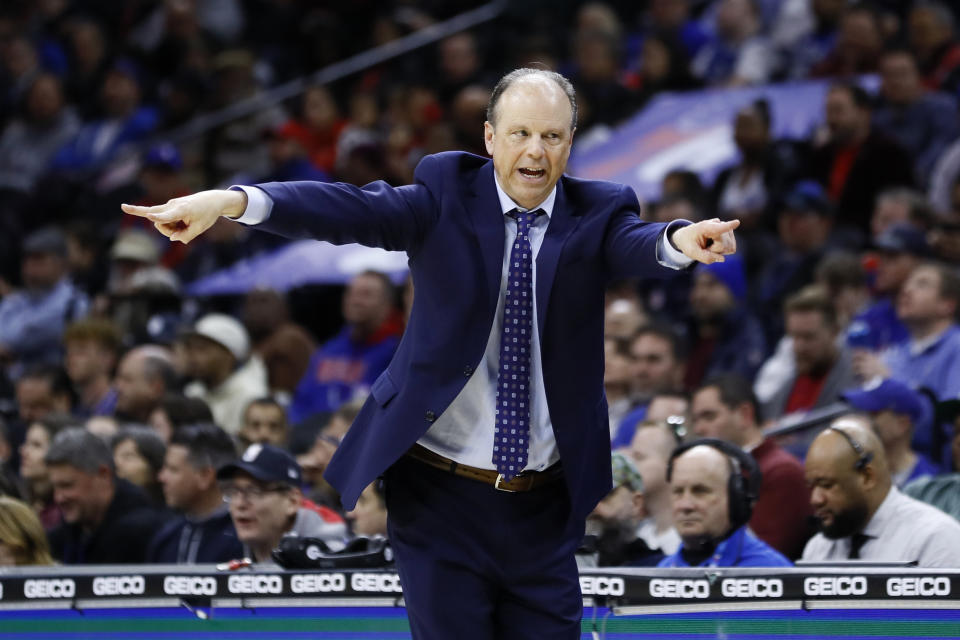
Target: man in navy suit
[492, 458]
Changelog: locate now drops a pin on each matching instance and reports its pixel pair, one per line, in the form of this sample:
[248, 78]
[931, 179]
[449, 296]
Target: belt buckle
[496, 485]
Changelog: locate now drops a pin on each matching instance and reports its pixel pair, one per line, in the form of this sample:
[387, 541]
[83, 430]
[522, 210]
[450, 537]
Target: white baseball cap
[225, 331]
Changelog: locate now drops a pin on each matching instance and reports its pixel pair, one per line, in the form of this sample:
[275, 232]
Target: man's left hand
[707, 241]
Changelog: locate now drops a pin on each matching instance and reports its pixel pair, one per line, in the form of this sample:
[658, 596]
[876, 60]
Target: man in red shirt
[823, 369]
[725, 407]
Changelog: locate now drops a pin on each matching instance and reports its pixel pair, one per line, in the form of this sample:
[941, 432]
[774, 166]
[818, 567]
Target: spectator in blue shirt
[927, 305]
[897, 415]
[33, 319]
[347, 365]
[713, 487]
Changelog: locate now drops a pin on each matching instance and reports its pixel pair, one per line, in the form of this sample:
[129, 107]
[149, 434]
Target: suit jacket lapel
[562, 223]
[488, 226]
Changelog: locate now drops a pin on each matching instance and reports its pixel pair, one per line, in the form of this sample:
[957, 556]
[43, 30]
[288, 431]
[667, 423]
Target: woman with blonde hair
[22, 539]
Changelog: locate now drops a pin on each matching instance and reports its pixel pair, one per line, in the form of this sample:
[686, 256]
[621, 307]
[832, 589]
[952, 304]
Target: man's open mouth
[532, 173]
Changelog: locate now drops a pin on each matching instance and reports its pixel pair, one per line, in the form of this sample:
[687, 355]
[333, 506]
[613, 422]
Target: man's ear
[488, 137]
[639, 506]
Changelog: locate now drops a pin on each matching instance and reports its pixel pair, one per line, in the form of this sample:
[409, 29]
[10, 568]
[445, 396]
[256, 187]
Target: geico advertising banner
[623, 588]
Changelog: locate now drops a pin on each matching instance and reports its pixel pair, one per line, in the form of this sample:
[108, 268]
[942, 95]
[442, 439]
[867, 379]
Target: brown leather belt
[525, 481]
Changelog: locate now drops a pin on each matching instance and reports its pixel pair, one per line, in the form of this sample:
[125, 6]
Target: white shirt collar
[507, 204]
[884, 513]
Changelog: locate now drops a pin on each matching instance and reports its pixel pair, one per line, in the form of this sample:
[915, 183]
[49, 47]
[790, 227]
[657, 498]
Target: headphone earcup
[740, 508]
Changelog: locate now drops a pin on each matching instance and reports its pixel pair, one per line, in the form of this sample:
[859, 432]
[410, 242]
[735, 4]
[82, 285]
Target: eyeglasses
[252, 492]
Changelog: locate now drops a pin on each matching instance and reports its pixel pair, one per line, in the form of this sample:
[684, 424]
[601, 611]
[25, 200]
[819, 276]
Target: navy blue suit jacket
[451, 226]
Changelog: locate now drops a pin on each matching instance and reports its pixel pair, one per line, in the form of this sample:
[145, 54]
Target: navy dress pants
[476, 563]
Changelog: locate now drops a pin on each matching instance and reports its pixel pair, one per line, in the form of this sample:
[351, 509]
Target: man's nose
[816, 497]
[535, 147]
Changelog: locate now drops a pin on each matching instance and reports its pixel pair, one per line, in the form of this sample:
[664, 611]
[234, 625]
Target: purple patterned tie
[512, 432]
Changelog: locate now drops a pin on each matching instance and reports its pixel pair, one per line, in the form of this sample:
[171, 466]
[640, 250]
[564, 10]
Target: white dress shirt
[901, 530]
[464, 431]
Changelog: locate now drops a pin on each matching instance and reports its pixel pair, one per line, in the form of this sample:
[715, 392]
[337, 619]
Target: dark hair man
[204, 531]
[472, 228]
[725, 408]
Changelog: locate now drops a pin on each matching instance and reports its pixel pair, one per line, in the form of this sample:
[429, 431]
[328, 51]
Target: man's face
[265, 423]
[182, 483]
[650, 449]
[714, 419]
[77, 493]
[698, 488]
[35, 399]
[802, 231]
[207, 358]
[838, 499]
[710, 298]
[619, 507]
[42, 270]
[365, 302]
[136, 392]
[616, 367]
[842, 115]
[889, 426]
[901, 80]
[261, 513]
[813, 341]
[86, 359]
[888, 212]
[893, 269]
[654, 367]
[369, 517]
[919, 298]
[531, 140]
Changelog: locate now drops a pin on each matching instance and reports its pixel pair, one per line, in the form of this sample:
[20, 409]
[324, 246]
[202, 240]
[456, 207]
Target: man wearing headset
[862, 515]
[714, 486]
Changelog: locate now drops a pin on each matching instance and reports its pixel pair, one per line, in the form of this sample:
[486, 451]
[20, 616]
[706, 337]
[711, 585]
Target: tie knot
[524, 217]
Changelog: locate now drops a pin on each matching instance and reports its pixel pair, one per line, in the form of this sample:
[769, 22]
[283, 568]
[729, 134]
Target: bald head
[841, 452]
[847, 472]
[698, 488]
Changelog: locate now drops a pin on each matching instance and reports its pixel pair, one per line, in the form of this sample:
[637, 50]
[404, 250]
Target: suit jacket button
[468, 371]
[430, 416]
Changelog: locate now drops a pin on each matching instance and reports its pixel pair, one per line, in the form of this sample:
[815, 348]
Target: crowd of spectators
[199, 428]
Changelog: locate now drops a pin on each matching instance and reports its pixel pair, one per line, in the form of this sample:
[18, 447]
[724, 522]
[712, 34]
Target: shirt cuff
[259, 205]
[667, 255]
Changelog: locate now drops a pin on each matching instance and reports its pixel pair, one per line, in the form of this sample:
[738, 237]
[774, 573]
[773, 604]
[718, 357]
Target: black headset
[744, 484]
[864, 457]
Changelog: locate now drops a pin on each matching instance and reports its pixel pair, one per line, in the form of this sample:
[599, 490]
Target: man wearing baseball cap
[225, 375]
[262, 489]
[896, 411]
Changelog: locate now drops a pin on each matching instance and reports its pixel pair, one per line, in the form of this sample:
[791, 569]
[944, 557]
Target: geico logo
[255, 584]
[752, 588]
[190, 586]
[601, 586]
[379, 582]
[64, 588]
[320, 583]
[119, 586]
[664, 588]
[835, 586]
[919, 586]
